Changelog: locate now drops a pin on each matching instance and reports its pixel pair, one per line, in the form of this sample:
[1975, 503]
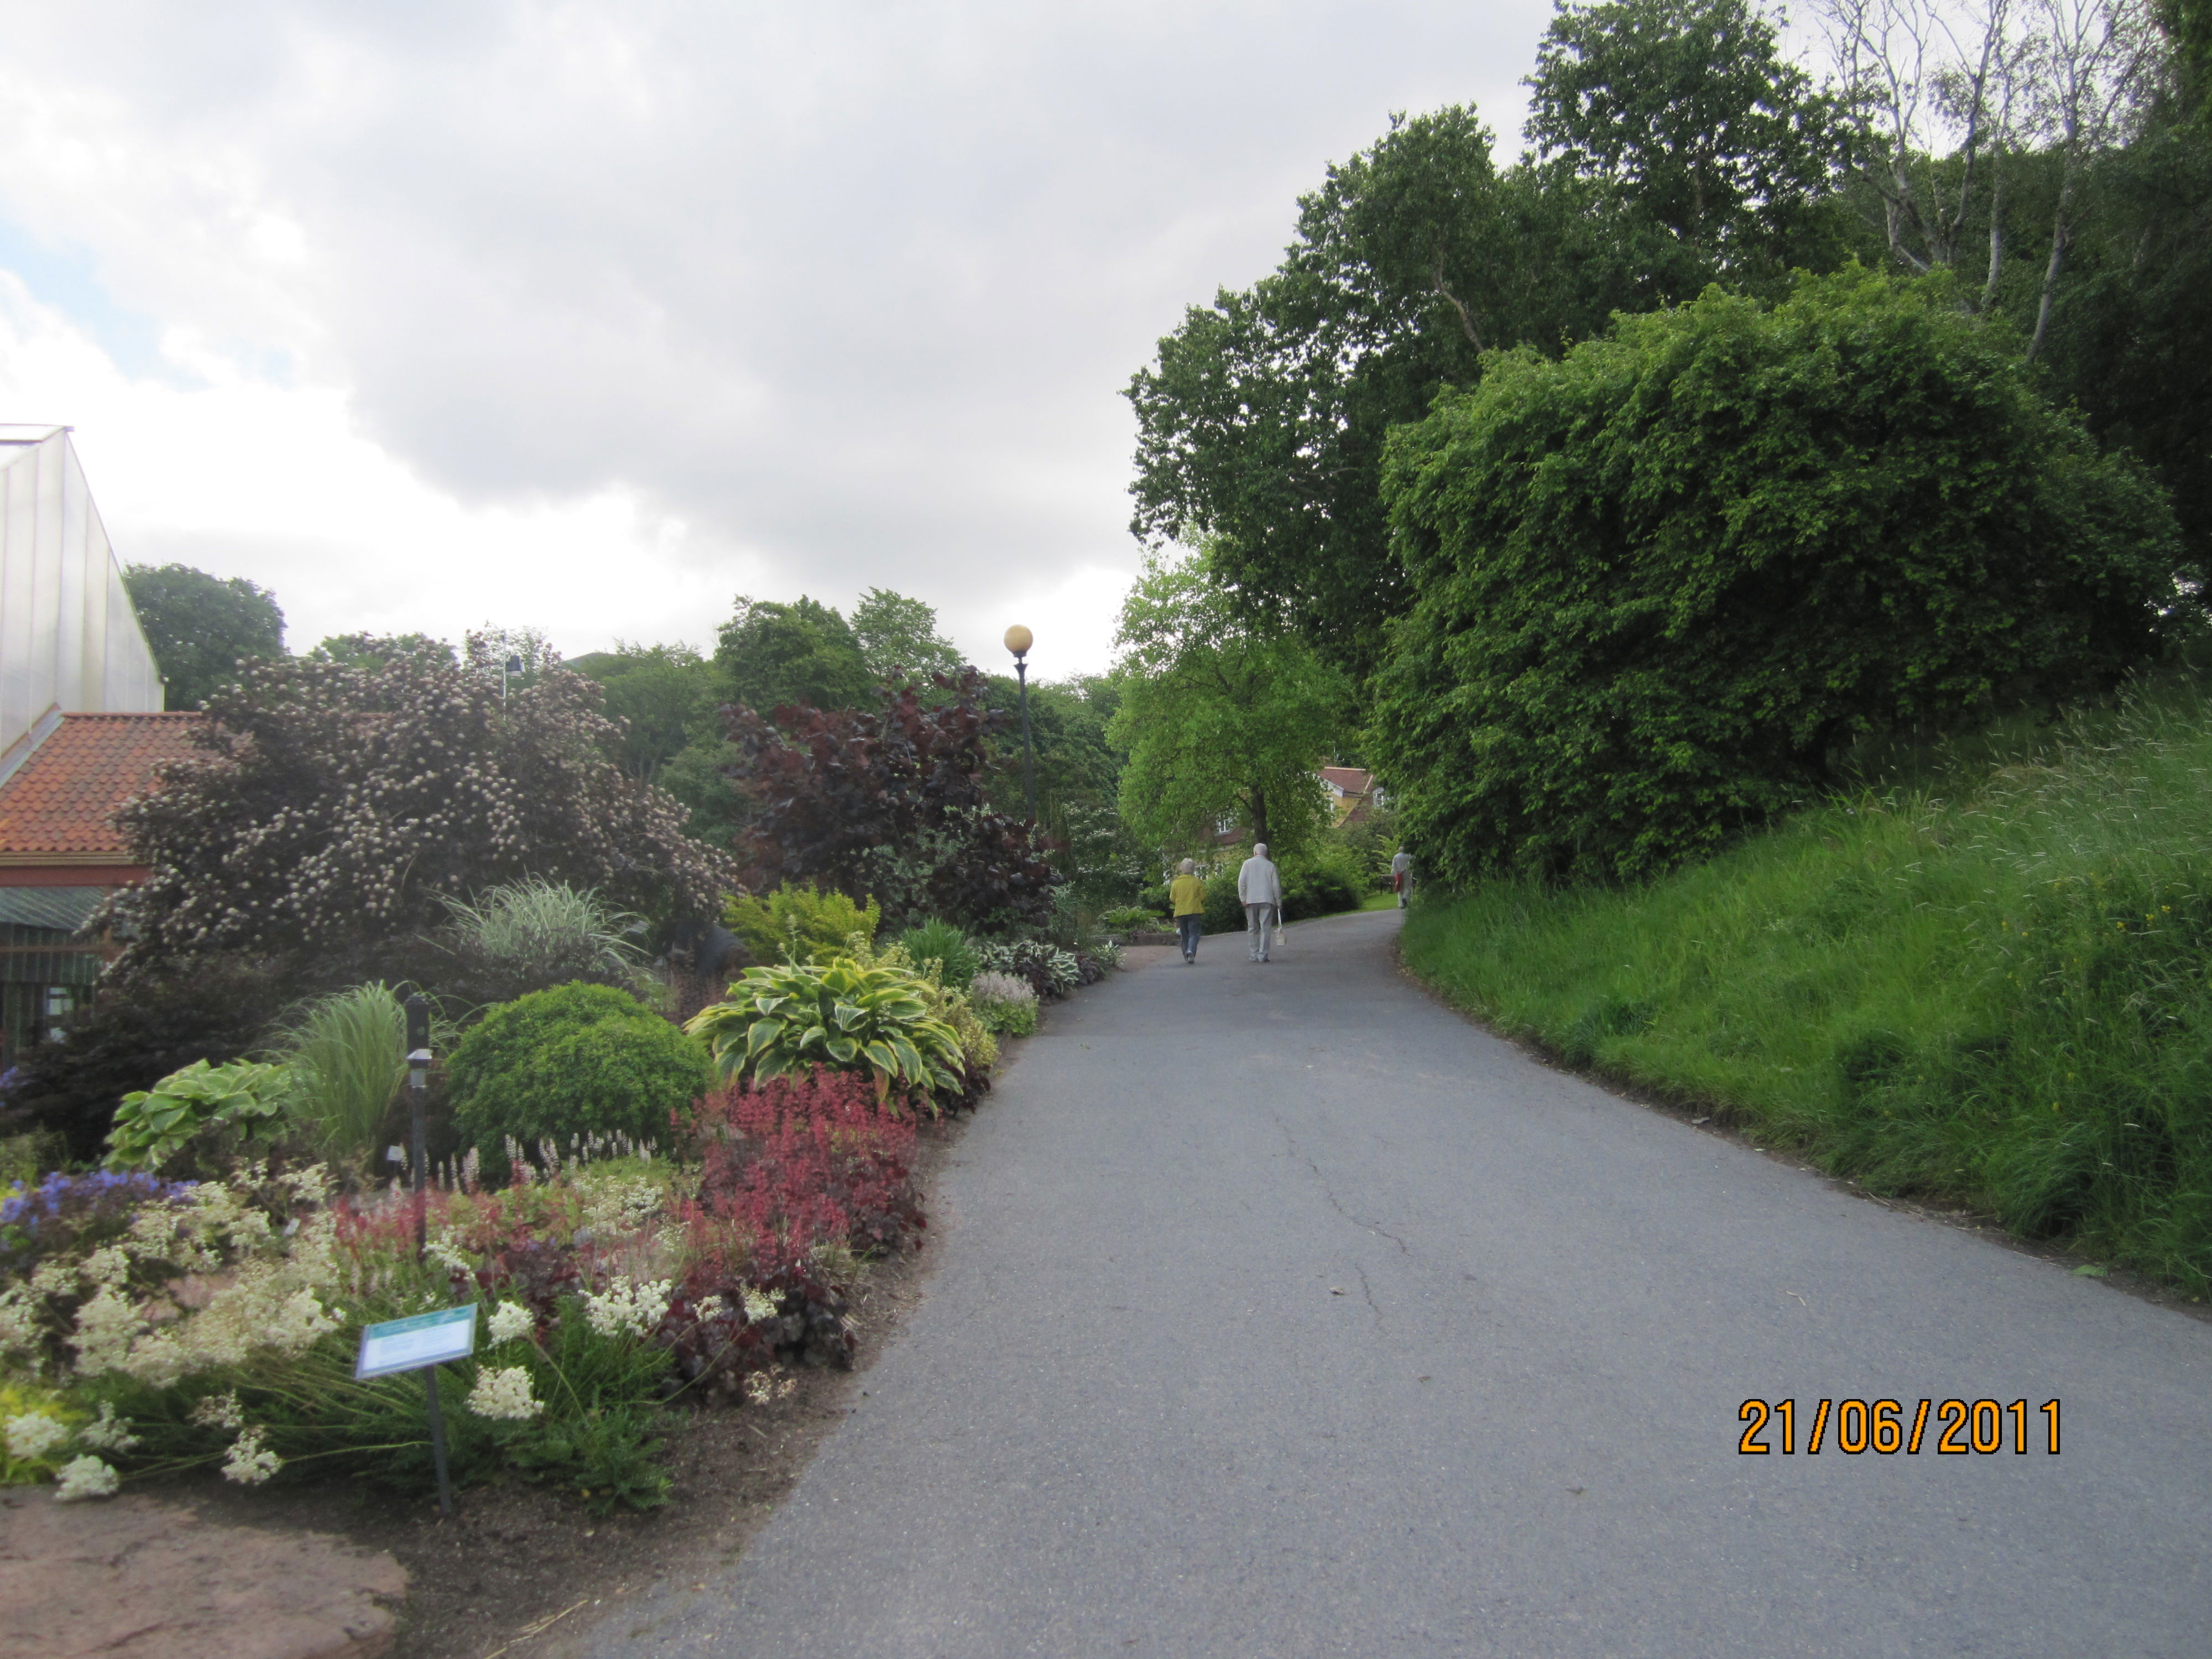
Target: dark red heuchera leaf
[889, 804]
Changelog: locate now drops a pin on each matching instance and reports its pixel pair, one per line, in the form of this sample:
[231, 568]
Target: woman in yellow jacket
[1187, 897]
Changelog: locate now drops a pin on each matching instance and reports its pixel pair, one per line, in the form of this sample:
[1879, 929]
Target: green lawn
[1989, 990]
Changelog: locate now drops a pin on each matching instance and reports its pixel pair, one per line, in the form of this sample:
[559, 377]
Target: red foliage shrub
[801, 1161]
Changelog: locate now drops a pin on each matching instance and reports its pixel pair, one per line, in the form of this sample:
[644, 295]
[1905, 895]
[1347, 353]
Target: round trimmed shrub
[578, 1060]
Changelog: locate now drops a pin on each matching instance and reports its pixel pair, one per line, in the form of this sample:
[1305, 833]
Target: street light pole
[1019, 641]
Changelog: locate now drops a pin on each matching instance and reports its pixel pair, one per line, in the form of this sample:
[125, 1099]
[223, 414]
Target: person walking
[1260, 890]
[1401, 875]
[1186, 898]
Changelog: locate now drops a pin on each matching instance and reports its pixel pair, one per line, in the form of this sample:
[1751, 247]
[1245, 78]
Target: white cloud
[592, 317]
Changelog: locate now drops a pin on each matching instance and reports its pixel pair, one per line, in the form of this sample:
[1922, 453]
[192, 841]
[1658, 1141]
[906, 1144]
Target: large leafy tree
[335, 808]
[1665, 579]
[1713, 155]
[770, 654]
[1673, 146]
[898, 636]
[889, 803]
[1224, 719]
[203, 630]
[663, 694]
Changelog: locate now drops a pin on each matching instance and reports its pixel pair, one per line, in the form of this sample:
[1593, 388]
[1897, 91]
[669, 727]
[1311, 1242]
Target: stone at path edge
[136, 1575]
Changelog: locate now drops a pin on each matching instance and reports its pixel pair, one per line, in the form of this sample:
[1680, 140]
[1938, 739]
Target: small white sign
[408, 1344]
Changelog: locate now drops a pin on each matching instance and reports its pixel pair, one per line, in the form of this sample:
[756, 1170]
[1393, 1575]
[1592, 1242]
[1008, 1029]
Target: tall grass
[347, 1052]
[1990, 988]
[533, 922]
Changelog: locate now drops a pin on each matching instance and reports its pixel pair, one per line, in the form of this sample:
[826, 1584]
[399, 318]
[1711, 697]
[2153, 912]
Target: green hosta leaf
[846, 1015]
[880, 1057]
[762, 1034]
[841, 1049]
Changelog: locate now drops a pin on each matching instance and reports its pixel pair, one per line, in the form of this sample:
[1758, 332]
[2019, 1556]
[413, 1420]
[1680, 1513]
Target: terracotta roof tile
[63, 798]
[1349, 779]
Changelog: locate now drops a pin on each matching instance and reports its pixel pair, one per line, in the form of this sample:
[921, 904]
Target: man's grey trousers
[1259, 921]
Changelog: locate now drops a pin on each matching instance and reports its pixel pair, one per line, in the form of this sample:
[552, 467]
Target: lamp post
[1019, 641]
[512, 665]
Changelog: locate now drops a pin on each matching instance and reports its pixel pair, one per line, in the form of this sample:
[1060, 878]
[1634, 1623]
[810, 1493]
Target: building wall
[68, 634]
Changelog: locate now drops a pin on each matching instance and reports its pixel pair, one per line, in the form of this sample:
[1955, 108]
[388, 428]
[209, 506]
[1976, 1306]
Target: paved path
[1283, 1312]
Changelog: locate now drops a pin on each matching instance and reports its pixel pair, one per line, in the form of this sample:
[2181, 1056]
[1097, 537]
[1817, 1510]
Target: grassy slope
[1994, 995]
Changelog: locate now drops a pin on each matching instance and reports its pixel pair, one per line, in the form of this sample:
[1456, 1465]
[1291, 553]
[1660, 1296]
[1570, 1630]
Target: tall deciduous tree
[203, 629]
[769, 654]
[1716, 154]
[1223, 719]
[898, 636]
[335, 808]
[1666, 578]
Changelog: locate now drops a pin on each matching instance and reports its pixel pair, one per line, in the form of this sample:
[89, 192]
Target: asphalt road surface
[1283, 1312]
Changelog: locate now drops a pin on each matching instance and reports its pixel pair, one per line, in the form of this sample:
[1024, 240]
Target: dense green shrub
[941, 942]
[1662, 579]
[1990, 991]
[1320, 882]
[577, 1060]
[798, 924]
[1225, 911]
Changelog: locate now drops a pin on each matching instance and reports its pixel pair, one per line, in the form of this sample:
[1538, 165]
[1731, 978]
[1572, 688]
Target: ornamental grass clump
[946, 946]
[347, 1055]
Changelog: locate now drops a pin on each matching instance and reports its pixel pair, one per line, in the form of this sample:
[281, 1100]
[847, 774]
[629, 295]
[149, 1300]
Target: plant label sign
[408, 1344]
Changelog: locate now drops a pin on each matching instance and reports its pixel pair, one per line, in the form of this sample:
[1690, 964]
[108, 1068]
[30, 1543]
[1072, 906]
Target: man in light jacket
[1259, 889]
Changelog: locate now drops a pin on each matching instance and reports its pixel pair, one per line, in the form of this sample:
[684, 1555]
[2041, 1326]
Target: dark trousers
[1190, 927]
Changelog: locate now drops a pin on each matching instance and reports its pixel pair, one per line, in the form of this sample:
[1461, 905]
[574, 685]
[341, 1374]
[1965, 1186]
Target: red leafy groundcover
[789, 1164]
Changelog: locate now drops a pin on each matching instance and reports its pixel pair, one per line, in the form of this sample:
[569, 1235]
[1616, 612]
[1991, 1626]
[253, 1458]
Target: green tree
[1223, 720]
[1262, 419]
[201, 628]
[1663, 580]
[898, 636]
[1674, 147]
[376, 650]
[664, 695]
[770, 655]
[1716, 158]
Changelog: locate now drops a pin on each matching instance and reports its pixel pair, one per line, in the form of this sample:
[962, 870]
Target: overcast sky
[592, 317]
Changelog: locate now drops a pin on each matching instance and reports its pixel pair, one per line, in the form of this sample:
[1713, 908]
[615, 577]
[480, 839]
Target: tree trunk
[2062, 236]
[1259, 804]
[1996, 233]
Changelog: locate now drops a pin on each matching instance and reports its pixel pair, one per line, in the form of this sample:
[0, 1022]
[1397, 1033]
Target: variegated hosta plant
[844, 1015]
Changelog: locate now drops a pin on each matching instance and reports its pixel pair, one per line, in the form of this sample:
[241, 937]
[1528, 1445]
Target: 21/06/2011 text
[1878, 1426]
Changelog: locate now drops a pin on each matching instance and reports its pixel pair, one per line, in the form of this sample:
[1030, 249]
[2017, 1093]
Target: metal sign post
[418, 1085]
[422, 1343]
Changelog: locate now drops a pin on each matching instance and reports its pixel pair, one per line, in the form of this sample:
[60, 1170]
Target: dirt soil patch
[518, 1566]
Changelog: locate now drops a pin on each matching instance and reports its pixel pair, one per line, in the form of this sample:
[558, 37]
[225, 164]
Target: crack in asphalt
[1329, 1192]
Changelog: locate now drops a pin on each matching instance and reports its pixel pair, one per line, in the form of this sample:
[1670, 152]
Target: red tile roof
[61, 801]
[1350, 779]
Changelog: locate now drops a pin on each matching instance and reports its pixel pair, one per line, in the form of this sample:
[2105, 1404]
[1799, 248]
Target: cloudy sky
[592, 317]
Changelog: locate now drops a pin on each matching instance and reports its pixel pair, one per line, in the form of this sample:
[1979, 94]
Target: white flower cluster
[34, 1434]
[511, 1321]
[220, 1411]
[502, 1392]
[85, 1477]
[108, 1433]
[626, 1308]
[761, 1387]
[250, 1462]
[759, 1305]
